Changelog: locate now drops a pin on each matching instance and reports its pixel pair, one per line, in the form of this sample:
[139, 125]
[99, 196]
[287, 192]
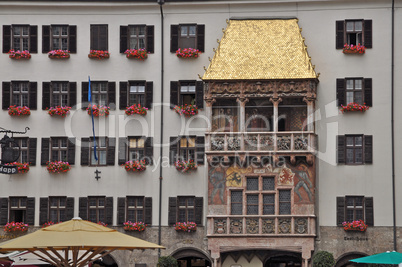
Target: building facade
[243, 135]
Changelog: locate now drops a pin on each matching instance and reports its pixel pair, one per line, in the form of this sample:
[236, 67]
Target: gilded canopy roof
[259, 50]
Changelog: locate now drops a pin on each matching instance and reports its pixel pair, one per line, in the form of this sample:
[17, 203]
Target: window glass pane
[358, 26]
[252, 204]
[101, 215]
[268, 183]
[359, 155]
[140, 216]
[358, 140]
[349, 140]
[237, 208]
[252, 183]
[183, 30]
[268, 204]
[349, 155]
[359, 202]
[358, 97]
[192, 30]
[140, 202]
[349, 84]
[358, 84]
[284, 202]
[349, 215]
[131, 215]
[182, 215]
[190, 215]
[349, 26]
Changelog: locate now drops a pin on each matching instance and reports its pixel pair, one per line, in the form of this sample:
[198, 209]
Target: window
[59, 37]
[18, 207]
[101, 152]
[57, 209]
[99, 93]
[225, 116]
[186, 92]
[96, 209]
[136, 148]
[103, 93]
[355, 149]
[58, 93]
[358, 90]
[20, 37]
[137, 37]
[105, 151]
[352, 208]
[20, 93]
[259, 115]
[186, 209]
[187, 36]
[135, 209]
[354, 32]
[99, 37]
[236, 198]
[59, 149]
[136, 92]
[27, 148]
[284, 202]
[186, 148]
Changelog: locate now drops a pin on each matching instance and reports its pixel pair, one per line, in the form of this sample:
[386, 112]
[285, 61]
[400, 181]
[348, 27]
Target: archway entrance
[106, 261]
[190, 257]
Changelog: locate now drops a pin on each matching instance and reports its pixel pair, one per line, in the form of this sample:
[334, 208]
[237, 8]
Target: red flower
[354, 49]
[185, 226]
[19, 111]
[354, 107]
[134, 226]
[22, 167]
[135, 165]
[99, 54]
[58, 167]
[355, 226]
[185, 166]
[19, 54]
[188, 53]
[140, 54]
[186, 110]
[136, 109]
[14, 227]
[59, 111]
[98, 110]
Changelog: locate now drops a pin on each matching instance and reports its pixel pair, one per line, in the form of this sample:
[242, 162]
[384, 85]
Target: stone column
[276, 101]
[242, 101]
[310, 113]
[208, 111]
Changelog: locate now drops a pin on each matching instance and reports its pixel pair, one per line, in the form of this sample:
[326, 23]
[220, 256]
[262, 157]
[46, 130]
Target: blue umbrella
[388, 257]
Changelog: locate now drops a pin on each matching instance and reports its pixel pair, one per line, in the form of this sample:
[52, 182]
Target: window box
[98, 54]
[135, 165]
[355, 226]
[58, 166]
[136, 109]
[19, 54]
[188, 53]
[354, 49]
[16, 227]
[185, 226]
[98, 110]
[22, 167]
[354, 107]
[185, 166]
[134, 226]
[140, 54]
[59, 54]
[59, 111]
[46, 224]
[19, 111]
[186, 110]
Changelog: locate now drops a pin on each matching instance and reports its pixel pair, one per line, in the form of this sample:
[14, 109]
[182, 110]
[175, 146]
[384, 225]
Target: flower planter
[188, 53]
[354, 107]
[185, 227]
[134, 226]
[98, 111]
[140, 54]
[22, 167]
[186, 110]
[359, 226]
[59, 111]
[98, 54]
[185, 166]
[19, 54]
[354, 49]
[46, 224]
[15, 227]
[59, 54]
[102, 223]
[58, 167]
[19, 111]
[136, 109]
[135, 166]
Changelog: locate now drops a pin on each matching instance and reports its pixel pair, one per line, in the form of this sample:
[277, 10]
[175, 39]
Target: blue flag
[92, 114]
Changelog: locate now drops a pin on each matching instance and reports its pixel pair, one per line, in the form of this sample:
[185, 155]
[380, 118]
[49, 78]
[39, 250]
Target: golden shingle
[260, 50]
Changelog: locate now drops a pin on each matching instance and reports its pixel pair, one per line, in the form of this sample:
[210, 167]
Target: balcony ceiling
[262, 49]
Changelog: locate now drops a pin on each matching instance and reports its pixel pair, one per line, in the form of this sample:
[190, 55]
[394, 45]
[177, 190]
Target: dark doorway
[193, 262]
[283, 261]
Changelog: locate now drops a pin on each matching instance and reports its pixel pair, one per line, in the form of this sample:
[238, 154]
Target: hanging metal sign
[10, 151]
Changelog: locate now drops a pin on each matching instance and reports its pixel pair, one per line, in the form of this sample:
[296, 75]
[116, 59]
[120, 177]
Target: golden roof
[260, 50]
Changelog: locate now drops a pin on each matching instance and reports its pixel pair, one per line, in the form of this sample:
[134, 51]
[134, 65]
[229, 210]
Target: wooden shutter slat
[72, 39]
[45, 153]
[84, 94]
[199, 89]
[45, 95]
[199, 202]
[121, 210]
[340, 210]
[340, 34]
[123, 103]
[45, 38]
[85, 151]
[32, 151]
[200, 149]
[150, 39]
[3, 211]
[111, 91]
[341, 149]
[30, 211]
[109, 211]
[368, 149]
[111, 149]
[71, 150]
[201, 37]
[174, 38]
[72, 94]
[122, 153]
[103, 37]
[123, 38]
[368, 92]
[69, 208]
[369, 211]
[149, 94]
[94, 37]
[6, 95]
[368, 33]
[83, 208]
[173, 149]
[148, 211]
[6, 38]
[149, 150]
[172, 210]
[43, 210]
[341, 92]
[33, 95]
[33, 39]
[174, 94]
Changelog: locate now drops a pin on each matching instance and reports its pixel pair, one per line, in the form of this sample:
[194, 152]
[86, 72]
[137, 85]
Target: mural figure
[304, 181]
[217, 179]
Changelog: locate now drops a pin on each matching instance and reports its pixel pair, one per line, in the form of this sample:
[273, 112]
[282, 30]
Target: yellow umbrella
[75, 235]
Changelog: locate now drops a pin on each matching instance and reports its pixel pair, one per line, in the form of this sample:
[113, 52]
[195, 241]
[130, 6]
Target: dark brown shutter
[200, 149]
[121, 210]
[341, 149]
[341, 92]
[71, 150]
[368, 92]
[111, 151]
[340, 34]
[30, 212]
[33, 95]
[173, 149]
[3, 211]
[45, 95]
[32, 151]
[111, 91]
[199, 202]
[368, 149]
[33, 39]
[72, 96]
[150, 39]
[199, 94]
[123, 38]
[340, 210]
[43, 210]
[83, 208]
[103, 37]
[72, 39]
[109, 211]
[368, 33]
[174, 94]
[45, 38]
[94, 32]
[123, 95]
[84, 95]
[369, 210]
[45, 153]
[122, 154]
[85, 145]
[69, 208]
[6, 38]
[201, 37]
[148, 211]
[149, 94]
[149, 150]
[174, 38]
[172, 210]
[6, 95]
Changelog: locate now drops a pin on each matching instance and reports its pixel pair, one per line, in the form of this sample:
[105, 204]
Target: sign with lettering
[355, 238]
[259, 170]
[8, 169]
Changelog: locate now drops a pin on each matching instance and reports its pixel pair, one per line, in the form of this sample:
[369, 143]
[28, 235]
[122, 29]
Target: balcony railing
[261, 142]
[271, 225]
